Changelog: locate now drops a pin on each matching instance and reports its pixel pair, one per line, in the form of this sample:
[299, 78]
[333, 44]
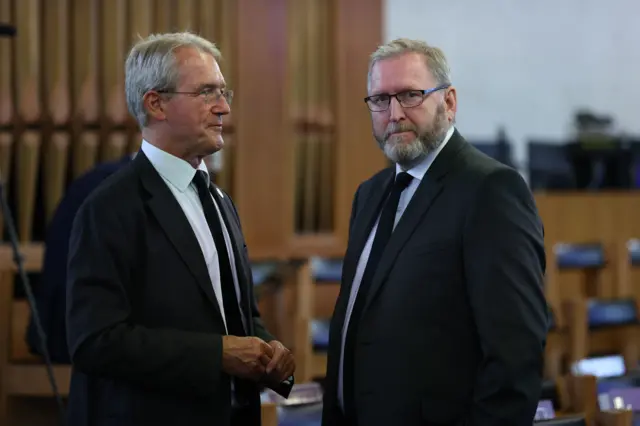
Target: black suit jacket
[454, 326]
[143, 325]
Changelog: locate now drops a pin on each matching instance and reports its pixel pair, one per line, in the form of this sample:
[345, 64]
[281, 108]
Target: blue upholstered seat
[634, 251]
[262, 271]
[610, 313]
[323, 271]
[326, 270]
[320, 334]
[590, 255]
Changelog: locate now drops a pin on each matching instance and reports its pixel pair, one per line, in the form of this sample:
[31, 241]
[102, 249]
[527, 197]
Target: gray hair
[151, 65]
[434, 57]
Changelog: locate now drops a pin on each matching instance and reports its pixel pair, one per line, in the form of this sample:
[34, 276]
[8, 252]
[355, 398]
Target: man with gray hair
[441, 317]
[162, 323]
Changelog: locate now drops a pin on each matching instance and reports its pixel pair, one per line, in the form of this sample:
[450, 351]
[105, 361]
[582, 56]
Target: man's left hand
[282, 364]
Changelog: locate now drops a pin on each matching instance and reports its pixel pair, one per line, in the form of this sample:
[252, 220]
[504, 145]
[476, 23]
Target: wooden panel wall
[334, 146]
[298, 140]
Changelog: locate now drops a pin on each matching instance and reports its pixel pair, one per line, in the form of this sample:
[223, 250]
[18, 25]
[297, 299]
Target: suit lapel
[175, 225]
[368, 214]
[235, 235]
[425, 196]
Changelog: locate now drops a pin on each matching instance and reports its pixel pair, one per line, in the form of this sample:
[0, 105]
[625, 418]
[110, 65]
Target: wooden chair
[21, 374]
[628, 268]
[579, 398]
[600, 327]
[318, 286]
[578, 270]
[556, 350]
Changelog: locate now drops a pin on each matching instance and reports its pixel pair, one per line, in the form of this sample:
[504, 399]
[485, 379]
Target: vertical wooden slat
[27, 59]
[223, 17]
[85, 153]
[185, 16]
[85, 60]
[296, 111]
[6, 153]
[56, 58]
[114, 41]
[115, 146]
[27, 168]
[140, 22]
[325, 120]
[6, 69]
[164, 16]
[55, 171]
[311, 103]
[208, 16]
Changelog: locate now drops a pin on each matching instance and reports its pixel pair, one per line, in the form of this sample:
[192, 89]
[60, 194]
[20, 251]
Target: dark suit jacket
[454, 326]
[50, 293]
[143, 324]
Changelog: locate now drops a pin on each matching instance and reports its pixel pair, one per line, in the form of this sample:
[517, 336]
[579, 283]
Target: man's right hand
[245, 357]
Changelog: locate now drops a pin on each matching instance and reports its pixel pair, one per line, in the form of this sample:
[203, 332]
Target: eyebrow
[405, 89]
[211, 86]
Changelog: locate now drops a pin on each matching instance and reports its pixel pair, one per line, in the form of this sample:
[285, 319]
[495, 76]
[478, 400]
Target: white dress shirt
[418, 173]
[178, 175]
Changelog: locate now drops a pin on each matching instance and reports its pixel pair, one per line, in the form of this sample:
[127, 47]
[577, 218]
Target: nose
[396, 112]
[221, 107]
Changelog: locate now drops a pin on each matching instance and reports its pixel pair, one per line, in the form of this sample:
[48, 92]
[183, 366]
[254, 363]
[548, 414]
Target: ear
[451, 102]
[154, 105]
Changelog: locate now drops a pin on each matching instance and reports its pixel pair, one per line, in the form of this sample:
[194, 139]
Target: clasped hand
[253, 358]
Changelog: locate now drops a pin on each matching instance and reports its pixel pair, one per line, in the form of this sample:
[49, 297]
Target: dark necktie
[230, 301]
[383, 234]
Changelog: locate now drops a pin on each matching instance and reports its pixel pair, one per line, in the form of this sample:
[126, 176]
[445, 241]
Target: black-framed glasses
[407, 98]
[209, 95]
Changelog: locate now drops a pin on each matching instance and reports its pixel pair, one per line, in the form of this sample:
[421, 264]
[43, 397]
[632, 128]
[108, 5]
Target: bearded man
[441, 317]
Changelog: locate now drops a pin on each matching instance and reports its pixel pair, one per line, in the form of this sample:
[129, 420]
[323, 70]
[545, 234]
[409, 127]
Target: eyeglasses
[210, 95]
[408, 98]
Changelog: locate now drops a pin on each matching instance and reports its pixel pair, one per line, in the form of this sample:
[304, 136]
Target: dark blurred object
[7, 30]
[549, 168]
[500, 149]
[599, 158]
[601, 164]
[587, 122]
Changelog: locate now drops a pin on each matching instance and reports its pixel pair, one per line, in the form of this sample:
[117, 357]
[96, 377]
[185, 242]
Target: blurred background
[550, 88]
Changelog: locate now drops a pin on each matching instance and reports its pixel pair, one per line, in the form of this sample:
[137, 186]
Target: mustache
[400, 127]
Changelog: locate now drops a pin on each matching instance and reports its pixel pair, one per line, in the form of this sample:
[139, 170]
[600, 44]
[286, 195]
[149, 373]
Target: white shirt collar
[175, 170]
[420, 170]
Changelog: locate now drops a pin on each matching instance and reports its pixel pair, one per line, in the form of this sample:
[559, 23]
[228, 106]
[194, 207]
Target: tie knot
[201, 179]
[403, 180]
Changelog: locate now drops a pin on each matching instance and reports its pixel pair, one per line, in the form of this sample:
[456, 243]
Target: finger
[264, 360]
[266, 348]
[278, 356]
[282, 362]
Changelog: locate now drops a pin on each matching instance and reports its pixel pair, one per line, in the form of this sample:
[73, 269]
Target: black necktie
[230, 301]
[383, 234]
